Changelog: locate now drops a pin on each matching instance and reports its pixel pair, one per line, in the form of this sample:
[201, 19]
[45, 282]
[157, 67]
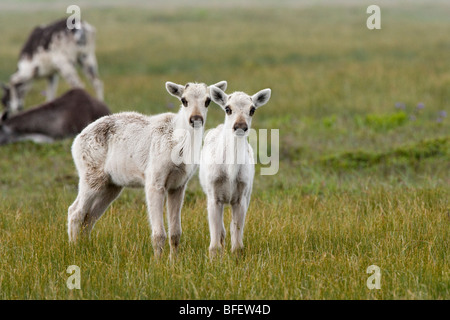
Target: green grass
[360, 182]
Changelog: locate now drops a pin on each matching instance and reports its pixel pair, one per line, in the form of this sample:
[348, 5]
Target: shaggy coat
[129, 149]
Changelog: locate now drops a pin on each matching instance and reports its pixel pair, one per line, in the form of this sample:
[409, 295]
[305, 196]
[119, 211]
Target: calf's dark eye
[184, 102]
[252, 111]
[228, 110]
[207, 102]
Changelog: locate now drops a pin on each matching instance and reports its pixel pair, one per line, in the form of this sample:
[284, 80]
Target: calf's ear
[174, 89]
[218, 96]
[222, 85]
[261, 97]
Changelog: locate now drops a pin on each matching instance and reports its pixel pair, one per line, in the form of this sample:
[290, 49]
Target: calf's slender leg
[216, 227]
[101, 202]
[239, 211]
[174, 203]
[155, 205]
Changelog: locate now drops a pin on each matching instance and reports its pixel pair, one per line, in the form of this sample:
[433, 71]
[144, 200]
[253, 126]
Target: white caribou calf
[225, 181]
[129, 149]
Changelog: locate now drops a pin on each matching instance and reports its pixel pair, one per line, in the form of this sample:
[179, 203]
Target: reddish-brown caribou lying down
[63, 117]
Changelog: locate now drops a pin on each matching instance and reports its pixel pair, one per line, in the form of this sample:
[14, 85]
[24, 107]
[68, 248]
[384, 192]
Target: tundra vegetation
[364, 155]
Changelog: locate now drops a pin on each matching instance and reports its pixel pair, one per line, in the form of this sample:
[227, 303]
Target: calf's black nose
[240, 125]
[195, 120]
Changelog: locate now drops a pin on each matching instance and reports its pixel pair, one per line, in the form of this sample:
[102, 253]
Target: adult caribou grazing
[51, 50]
[63, 117]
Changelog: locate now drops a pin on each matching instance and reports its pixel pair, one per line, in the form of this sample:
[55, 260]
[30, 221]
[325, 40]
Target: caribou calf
[129, 149]
[63, 117]
[226, 166]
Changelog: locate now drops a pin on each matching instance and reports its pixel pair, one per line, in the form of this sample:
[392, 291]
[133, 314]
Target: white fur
[133, 150]
[227, 169]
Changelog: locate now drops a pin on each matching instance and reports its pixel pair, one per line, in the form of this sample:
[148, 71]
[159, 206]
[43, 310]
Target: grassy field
[364, 173]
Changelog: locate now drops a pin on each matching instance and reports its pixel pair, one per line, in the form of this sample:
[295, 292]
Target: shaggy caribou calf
[227, 165]
[63, 117]
[51, 50]
[133, 150]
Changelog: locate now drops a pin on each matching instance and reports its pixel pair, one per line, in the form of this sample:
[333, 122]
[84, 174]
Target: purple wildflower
[442, 114]
[420, 105]
[400, 105]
